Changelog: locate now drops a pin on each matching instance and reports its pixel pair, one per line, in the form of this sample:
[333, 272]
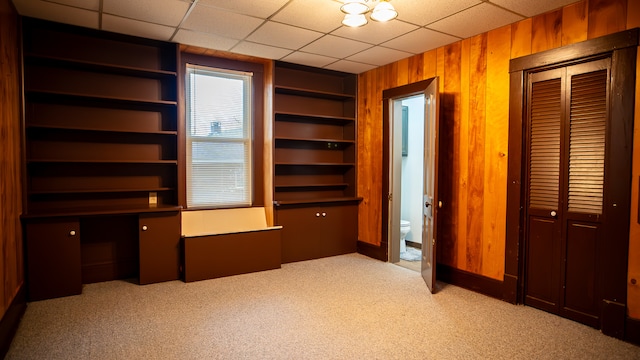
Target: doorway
[410, 158]
[407, 180]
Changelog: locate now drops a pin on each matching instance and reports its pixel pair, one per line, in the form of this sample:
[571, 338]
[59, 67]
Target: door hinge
[390, 197]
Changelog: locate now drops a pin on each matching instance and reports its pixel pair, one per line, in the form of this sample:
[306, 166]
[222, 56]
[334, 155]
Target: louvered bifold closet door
[588, 120]
[544, 154]
[586, 136]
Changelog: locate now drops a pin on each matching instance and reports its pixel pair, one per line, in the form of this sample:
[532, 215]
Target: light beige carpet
[344, 307]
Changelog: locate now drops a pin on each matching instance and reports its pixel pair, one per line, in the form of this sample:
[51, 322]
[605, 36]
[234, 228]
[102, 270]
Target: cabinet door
[53, 258]
[339, 225]
[317, 231]
[300, 233]
[159, 247]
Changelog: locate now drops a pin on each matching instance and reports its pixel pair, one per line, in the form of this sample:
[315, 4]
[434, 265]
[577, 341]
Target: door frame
[417, 88]
[622, 48]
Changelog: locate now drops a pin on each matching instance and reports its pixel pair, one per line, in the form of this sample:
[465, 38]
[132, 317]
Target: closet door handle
[144, 227]
[72, 233]
[318, 214]
[324, 214]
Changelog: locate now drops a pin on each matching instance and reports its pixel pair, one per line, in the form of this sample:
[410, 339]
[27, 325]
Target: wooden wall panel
[546, 31]
[11, 265]
[403, 72]
[633, 14]
[477, 118]
[430, 63]
[484, 113]
[521, 38]
[465, 57]
[449, 186]
[574, 23]
[416, 68]
[496, 145]
[606, 17]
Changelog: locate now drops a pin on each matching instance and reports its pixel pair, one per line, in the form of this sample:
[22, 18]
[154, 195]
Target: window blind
[218, 129]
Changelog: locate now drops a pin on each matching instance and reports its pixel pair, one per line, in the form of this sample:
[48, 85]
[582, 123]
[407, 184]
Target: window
[218, 137]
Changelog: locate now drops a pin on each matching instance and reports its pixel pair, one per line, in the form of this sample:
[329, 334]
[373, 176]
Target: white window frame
[199, 199]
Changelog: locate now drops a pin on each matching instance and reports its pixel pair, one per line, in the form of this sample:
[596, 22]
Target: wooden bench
[217, 243]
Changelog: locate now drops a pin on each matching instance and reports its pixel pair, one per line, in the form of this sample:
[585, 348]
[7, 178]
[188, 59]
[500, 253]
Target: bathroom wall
[412, 168]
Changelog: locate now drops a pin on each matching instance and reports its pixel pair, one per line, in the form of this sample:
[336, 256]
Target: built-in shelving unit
[101, 158]
[315, 149]
[100, 120]
[315, 134]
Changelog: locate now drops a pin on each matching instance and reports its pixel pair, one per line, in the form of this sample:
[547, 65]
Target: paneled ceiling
[307, 32]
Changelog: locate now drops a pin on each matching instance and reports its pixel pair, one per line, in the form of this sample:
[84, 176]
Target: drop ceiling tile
[375, 32]
[56, 12]
[419, 41]
[285, 36]
[209, 41]
[260, 50]
[350, 66]
[318, 15]
[531, 8]
[379, 56]
[83, 4]
[136, 28]
[303, 58]
[164, 12]
[227, 24]
[465, 24]
[262, 8]
[423, 12]
[335, 47]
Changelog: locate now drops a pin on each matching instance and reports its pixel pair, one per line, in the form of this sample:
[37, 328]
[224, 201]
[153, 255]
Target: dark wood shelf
[102, 210]
[294, 139]
[288, 90]
[314, 164]
[107, 99]
[296, 186]
[317, 201]
[97, 66]
[99, 191]
[297, 117]
[111, 161]
[69, 128]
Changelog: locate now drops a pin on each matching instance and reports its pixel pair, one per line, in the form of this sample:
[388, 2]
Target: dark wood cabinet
[101, 147]
[159, 247]
[315, 161]
[53, 258]
[316, 231]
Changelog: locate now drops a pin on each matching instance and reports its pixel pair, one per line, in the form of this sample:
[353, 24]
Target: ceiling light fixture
[356, 9]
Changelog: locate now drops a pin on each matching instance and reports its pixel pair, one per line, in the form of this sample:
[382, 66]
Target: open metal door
[429, 243]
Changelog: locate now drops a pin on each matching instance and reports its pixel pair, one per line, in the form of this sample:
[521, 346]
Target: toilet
[405, 227]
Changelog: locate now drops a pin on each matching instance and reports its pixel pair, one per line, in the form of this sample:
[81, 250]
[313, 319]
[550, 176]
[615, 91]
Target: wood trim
[372, 251]
[11, 320]
[631, 331]
[513, 252]
[620, 40]
[470, 281]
